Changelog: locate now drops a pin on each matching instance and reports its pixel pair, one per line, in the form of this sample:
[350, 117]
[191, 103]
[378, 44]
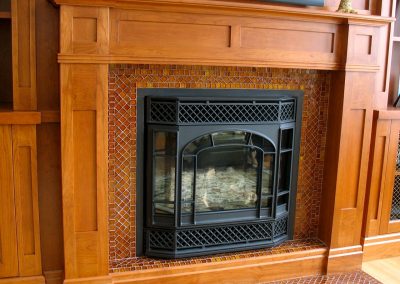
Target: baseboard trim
[382, 246]
[345, 259]
[23, 280]
[250, 270]
[54, 276]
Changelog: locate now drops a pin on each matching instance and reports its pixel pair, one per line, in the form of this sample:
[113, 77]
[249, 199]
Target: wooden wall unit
[19, 225]
[20, 247]
[97, 33]
[381, 234]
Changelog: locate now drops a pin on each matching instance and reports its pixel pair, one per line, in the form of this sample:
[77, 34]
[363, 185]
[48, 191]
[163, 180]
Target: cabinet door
[8, 238]
[391, 196]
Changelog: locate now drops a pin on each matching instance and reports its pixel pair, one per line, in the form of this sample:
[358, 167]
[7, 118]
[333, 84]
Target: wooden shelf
[5, 15]
[8, 116]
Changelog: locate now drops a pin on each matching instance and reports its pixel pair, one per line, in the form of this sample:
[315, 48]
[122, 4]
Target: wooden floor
[385, 270]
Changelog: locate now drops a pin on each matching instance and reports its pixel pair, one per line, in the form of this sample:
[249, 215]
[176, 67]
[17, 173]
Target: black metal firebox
[221, 169]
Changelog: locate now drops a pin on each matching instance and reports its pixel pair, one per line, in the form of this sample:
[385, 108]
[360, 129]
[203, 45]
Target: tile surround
[123, 83]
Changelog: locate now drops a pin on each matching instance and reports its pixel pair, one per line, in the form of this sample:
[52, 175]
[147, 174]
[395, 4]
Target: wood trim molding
[50, 116]
[20, 117]
[250, 270]
[127, 59]
[382, 246]
[54, 276]
[344, 259]
[228, 7]
[24, 280]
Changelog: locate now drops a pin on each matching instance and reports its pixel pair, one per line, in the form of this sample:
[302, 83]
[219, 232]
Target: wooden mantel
[96, 33]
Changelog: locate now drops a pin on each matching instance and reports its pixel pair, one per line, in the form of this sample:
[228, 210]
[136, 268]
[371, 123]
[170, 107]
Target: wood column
[346, 167]
[84, 97]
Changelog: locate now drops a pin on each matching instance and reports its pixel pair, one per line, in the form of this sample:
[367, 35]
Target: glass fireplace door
[227, 175]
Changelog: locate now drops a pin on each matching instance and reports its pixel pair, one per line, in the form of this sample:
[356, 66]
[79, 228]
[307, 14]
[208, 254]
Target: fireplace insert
[221, 169]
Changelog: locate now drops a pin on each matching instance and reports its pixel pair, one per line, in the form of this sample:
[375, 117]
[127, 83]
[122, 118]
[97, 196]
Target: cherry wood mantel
[96, 33]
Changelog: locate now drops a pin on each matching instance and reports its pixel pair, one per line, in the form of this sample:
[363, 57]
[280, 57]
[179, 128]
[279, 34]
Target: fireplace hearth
[221, 169]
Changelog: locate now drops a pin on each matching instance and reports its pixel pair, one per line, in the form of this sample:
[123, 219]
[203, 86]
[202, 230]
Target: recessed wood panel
[8, 229]
[294, 40]
[24, 54]
[363, 44]
[352, 158]
[85, 185]
[25, 174]
[164, 34]
[347, 223]
[26, 199]
[87, 253]
[85, 29]
[84, 87]
[24, 42]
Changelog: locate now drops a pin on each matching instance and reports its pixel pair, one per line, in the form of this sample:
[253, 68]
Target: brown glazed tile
[357, 277]
[124, 79]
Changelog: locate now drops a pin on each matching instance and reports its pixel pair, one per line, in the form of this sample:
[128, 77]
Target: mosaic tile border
[357, 277]
[124, 80]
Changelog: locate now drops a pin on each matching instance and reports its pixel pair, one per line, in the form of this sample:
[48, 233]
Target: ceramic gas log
[221, 172]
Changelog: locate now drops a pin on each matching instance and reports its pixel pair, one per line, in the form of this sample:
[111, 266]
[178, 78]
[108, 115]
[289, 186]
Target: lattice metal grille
[280, 227]
[228, 113]
[223, 235]
[395, 212]
[398, 156]
[218, 236]
[163, 112]
[161, 239]
[287, 111]
[220, 112]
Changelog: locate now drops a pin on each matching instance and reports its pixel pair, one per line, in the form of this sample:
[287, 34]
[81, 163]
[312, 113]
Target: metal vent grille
[223, 235]
[189, 113]
[395, 212]
[228, 113]
[280, 227]
[163, 112]
[161, 239]
[398, 156]
[287, 111]
[200, 238]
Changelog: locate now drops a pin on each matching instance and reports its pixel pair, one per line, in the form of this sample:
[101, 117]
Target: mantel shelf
[229, 6]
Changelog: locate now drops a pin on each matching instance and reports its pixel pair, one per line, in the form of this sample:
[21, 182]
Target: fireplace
[221, 169]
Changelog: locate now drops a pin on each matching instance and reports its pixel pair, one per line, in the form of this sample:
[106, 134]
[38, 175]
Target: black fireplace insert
[220, 169]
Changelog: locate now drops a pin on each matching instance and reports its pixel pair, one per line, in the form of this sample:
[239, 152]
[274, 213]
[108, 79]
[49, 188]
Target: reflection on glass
[226, 178]
[230, 137]
[266, 202]
[164, 179]
[284, 171]
[165, 143]
[187, 207]
[187, 179]
[164, 209]
[287, 138]
[197, 145]
[268, 174]
[164, 165]
[262, 143]
[283, 204]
